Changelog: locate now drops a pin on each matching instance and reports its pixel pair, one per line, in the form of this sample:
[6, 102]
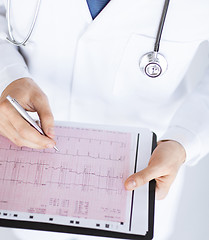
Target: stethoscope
[11, 38]
[153, 64]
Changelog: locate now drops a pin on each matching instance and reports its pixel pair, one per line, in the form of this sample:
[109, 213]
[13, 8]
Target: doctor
[80, 66]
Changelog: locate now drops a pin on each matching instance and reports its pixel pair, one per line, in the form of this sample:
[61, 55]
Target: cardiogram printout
[85, 179]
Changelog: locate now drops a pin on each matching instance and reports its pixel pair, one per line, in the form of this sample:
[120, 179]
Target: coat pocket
[133, 83]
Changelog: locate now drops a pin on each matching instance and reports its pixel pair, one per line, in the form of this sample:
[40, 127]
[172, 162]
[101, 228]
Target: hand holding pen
[26, 116]
[15, 127]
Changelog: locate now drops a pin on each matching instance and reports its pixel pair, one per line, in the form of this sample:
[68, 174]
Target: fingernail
[50, 145]
[51, 132]
[130, 184]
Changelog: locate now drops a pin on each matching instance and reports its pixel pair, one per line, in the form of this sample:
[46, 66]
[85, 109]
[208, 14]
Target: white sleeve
[12, 64]
[190, 124]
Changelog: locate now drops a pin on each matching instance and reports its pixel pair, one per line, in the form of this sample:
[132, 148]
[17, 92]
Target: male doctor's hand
[14, 127]
[163, 167]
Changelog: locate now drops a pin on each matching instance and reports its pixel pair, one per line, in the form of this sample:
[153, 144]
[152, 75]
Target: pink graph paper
[85, 179]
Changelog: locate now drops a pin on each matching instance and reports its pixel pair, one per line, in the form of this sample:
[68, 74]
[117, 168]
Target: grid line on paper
[85, 179]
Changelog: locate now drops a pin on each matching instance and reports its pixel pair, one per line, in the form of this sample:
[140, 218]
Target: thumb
[140, 178]
[46, 117]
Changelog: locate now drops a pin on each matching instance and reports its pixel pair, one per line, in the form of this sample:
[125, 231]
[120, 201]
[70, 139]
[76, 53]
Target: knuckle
[31, 137]
[17, 141]
[40, 96]
[3, 107]
[44, 96]
[143, 178]
[22, 132]
[38, 147]
[39, 143]
[47, 118]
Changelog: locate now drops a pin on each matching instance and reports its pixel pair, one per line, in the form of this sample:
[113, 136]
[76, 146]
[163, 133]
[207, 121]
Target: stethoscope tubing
[11, 38]
[152, 63]
[161, 25]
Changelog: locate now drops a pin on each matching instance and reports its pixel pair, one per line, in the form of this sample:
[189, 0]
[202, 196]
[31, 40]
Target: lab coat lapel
[101, 47]
[121, 17]
[85, 13]
[100, 27]
[104, 40]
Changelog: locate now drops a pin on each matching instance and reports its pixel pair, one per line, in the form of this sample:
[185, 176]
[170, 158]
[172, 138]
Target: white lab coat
[90, 69]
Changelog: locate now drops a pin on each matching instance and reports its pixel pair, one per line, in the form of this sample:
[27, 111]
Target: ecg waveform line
[90, 168]
[90, 140]
[57, 168]
[69, 154]
[41, 169]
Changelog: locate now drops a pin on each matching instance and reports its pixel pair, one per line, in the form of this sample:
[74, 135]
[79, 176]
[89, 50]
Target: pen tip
[57, 150]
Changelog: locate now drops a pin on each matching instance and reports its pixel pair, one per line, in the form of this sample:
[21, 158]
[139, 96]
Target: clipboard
[81, 187]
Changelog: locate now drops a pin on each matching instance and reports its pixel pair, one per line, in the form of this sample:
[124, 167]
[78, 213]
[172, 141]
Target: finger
[140, 178]
[163, 185]
[29, 136]
[42, 107]
[162, 189]
[7, 130]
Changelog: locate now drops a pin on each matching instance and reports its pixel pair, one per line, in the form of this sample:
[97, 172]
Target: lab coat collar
[87, 13]
[121, 17]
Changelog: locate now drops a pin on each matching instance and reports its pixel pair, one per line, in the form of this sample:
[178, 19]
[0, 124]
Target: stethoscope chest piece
[153, 64]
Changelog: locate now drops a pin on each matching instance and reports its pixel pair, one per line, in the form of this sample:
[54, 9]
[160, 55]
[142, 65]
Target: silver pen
[26, 116]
